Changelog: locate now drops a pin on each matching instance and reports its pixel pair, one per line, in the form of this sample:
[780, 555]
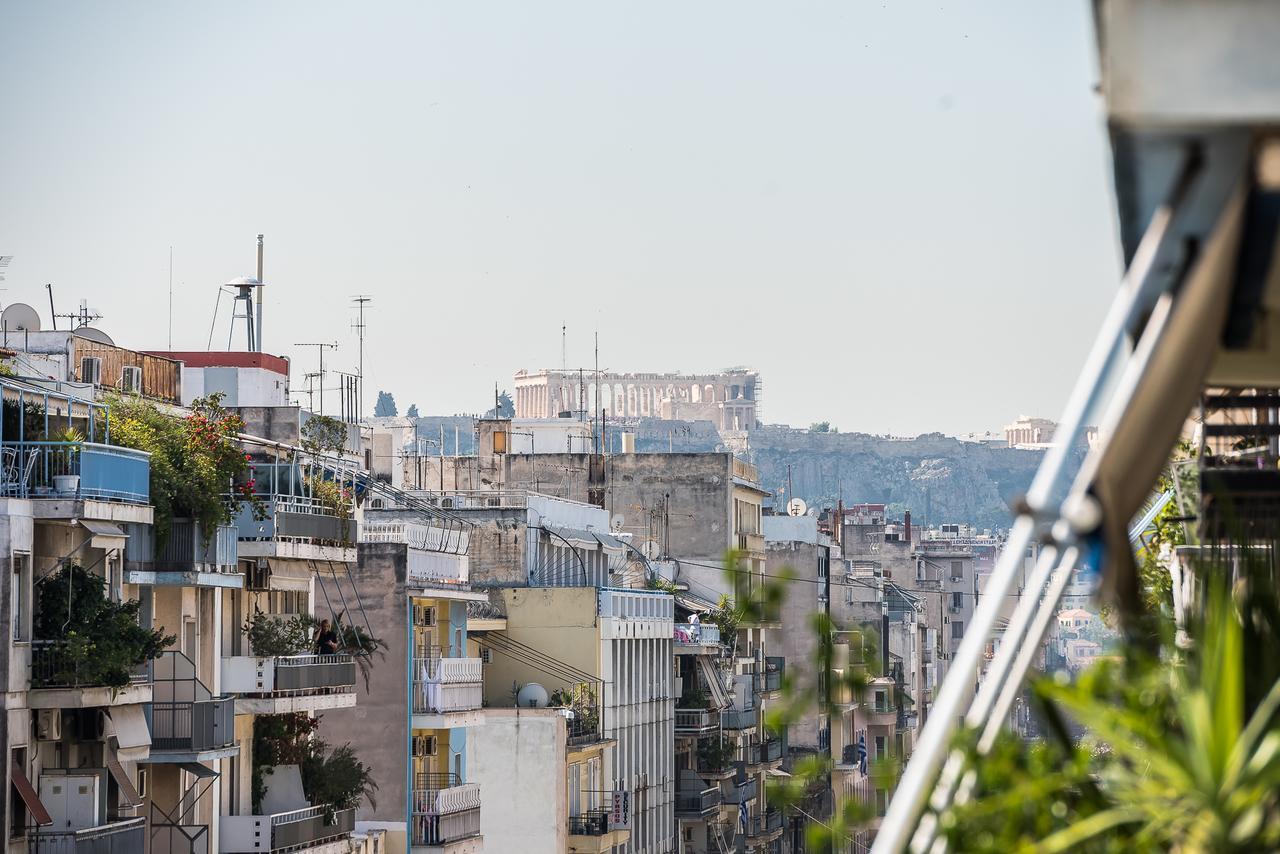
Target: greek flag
[742, 815]
[862, 752]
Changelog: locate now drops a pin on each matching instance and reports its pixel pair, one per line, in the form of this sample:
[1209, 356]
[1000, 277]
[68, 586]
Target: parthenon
[727, 399]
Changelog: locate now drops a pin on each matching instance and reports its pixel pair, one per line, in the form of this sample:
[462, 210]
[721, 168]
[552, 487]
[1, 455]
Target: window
[20, 598]
[575, 789]
[957, 569]
[882, 802]
[957, 600]
[881, 751]
[823, 565]
[957, 629]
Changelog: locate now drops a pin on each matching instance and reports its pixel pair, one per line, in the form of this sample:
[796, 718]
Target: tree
[820, 427]
[386, 405]
[413, 410]
[506, 408]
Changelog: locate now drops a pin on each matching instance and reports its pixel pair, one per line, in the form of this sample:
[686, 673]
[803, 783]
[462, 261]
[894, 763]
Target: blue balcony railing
[75, 470]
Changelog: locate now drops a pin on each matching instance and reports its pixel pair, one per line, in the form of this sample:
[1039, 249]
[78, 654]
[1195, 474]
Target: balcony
[696, 639]
[72, 473]
[600, 828]
[296, 527]
[187, 723]
[284, 831]
[762, 829]
[696, 721]
[699, 804]
[742, 792]
[447, 692]
[762, 753]
[753, 544]
[186, 559]
[446, 536]
[117, 837]
[770, 681]
[739, 719]
[56, 681]
[445, 816]
[293, 683]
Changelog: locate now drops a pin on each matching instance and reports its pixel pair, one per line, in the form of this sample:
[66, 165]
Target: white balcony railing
[429, 538]
[443, 685]
[441, 816]
[636, 604]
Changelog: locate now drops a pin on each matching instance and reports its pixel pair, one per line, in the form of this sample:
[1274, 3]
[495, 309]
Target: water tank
[532, 696]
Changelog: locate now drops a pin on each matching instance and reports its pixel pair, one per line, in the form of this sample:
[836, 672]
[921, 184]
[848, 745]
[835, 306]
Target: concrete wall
[378, 726]
[796, 641]
[519, 763]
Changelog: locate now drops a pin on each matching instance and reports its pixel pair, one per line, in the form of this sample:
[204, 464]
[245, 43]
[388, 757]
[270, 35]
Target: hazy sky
[900, 213]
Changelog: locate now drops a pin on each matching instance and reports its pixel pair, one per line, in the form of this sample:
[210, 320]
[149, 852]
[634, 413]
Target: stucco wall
[520, 766]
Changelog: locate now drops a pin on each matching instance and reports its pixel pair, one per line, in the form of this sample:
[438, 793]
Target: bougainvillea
[198, 469]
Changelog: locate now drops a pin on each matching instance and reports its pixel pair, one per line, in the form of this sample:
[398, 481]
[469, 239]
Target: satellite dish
[243, 282]
[532, 696]
[20, 316]
[797, 507]
[651, 549]
[616, 523]
[92, 334]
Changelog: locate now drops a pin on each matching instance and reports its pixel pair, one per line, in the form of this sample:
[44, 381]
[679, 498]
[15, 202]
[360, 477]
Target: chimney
[906, 526]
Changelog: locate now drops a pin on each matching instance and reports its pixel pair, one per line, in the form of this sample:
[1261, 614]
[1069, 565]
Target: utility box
[71, 799]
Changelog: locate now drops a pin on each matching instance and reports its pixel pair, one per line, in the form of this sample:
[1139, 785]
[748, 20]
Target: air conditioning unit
[957, 578]
[447, 503]
[424, 615]
[424, 745]
[486, 655]
[131, 379]
[91, 370]
[91, 724]
[376, 504]
[49, 725]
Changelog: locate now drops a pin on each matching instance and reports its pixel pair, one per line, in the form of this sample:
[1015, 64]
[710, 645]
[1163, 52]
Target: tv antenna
[4, 262]
[320, 346]
[84, 316]
[359, 325]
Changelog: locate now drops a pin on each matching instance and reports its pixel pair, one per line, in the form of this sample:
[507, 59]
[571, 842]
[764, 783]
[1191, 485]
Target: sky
[899, 213]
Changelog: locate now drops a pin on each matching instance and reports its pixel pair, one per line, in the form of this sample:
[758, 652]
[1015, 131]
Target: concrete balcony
[739, 719]
[752, 544]
[294, 683]
[742, 792]
[447, 692]
[186, 560]
[763, 829]
[763, 753]
[296, 830]
[117, 837]
[79, 480]
[594, 832]
[57, 682]
[296, 527]
[447, 536]
[446, 820]
[696, 640]
[879, 713]
[698, 804]
[696, 721]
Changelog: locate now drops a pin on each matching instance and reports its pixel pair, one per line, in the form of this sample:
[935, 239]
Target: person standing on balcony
[326, 639]
[695, 627]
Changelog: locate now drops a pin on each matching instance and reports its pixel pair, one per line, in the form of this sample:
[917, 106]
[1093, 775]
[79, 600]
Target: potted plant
[64, 481]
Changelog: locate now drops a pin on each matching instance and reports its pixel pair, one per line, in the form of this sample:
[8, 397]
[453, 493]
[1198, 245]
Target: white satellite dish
[651, 549]
[532, 696]
[20, 316]
[797, 507]
[616, 523]
[92, 334]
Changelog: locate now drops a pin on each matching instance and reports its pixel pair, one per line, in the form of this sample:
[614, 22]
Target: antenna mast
[361, 300]
[171, 298]
[260, 295]
[320, 347]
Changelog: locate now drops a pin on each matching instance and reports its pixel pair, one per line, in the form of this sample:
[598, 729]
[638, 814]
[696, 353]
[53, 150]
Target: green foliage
[385, 406]
[198, 470]
[657, 582]
[715, 754]
[323, 434]
[694, 698]
[820, 427]
[104, 644]
[333, 496]
[412, 411]
[361, 644]
[581, 698]
[29, 417]
[337, 780]
[505, 409]
[271, 636]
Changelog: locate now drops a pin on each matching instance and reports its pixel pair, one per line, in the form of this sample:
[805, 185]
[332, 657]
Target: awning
[27, 792]
[292, 575]
[697, 604]
[609, 542]
[128, 794]
[714, 684]
[204, 772]
[776, 772]
[106, 535]
[577, 537]
[129, 726]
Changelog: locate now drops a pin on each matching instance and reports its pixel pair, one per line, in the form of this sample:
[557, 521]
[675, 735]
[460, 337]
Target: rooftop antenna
[321, 347]
[52, 310]
[83, 317]
[564, 366]
[170, 298]
[4, 262]
[260, 297]
[361, 300]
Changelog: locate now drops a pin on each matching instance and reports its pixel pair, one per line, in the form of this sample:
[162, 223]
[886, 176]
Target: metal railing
[695, 720]
[429, 538]
[739, 718]
[698, 803]
[53, 666]
[698, 635]
[308, 826]
[185, 549]
[589, 823]
[296, 517]
[75, 470]
[763, 825]
[199, 725]
[117, 837]
[310, 672]
[743, 792]
[445, 815]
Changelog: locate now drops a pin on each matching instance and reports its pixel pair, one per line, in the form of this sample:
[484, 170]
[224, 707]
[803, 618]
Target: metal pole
[258, 336]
